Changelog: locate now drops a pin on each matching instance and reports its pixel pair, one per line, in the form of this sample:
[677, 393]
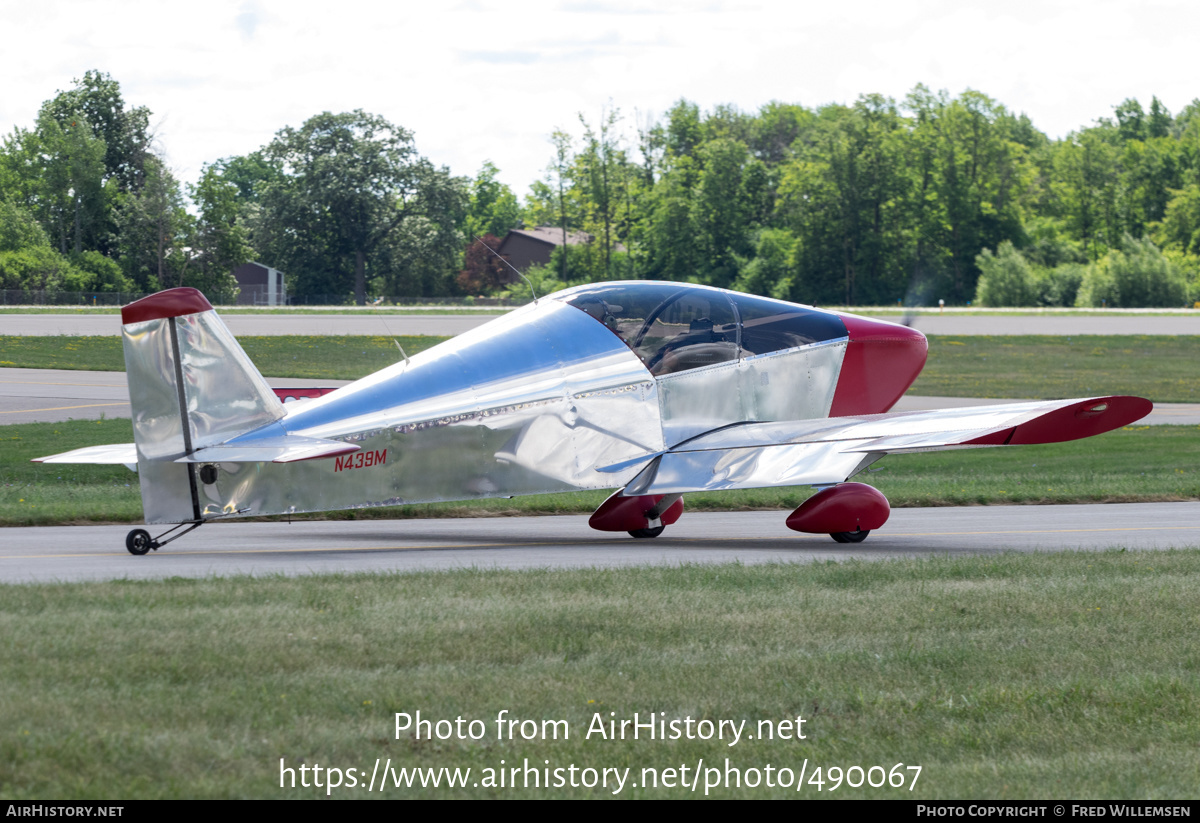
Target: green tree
[95, 108]
[684, 129]
[220, 237]
[774, 133]
[842, 196]
[153, 228]
[771, 271]
[57, 174]
[723, 208]
[353, 192]
[1180, 226]
[19, 229]
[603, 176]
[96, 100]
[977, 176]
[492, 208]
[670, 236]
[1086, 176]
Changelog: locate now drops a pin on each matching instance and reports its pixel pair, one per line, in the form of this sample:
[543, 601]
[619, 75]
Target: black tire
[138, 542]
[850, 537]
[644, 533]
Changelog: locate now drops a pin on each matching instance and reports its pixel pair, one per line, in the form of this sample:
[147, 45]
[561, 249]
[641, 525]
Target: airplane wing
[830, 450]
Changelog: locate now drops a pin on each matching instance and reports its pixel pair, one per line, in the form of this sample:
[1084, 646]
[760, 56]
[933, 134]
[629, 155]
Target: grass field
[1007, 676]
[1139, 463]
[1010, 676]
[1165, 369]
[1162, 368]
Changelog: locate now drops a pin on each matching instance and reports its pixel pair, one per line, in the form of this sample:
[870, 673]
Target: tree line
[879, 202]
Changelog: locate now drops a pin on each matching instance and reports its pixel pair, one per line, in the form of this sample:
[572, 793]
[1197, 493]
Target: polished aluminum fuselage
[539, 400]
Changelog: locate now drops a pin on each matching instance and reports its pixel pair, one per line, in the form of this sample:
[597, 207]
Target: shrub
[1058, 286]
[1137, 275]
[1005, 278]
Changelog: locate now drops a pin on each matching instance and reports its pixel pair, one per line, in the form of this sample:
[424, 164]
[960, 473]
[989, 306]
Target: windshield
[676, 326]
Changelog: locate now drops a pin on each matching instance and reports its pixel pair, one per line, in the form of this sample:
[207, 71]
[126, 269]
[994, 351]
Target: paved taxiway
[55, 395]
[96, 325]
[68, 553]
[402, 324]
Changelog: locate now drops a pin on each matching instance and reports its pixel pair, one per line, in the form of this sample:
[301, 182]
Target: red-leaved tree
[484, 272]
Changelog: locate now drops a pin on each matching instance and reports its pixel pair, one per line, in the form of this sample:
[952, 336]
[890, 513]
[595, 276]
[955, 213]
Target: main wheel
[654, 532]
[138, 542]
[850, 537]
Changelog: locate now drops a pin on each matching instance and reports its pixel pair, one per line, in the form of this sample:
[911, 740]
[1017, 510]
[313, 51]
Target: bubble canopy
[675, 327]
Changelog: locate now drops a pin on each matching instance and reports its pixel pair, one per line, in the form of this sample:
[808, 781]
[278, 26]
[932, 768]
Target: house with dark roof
[530, 247]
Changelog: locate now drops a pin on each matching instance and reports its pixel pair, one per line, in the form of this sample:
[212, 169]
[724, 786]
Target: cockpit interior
[675, 327]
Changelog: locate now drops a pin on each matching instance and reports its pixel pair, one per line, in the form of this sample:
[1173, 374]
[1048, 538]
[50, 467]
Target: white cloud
[490, 80]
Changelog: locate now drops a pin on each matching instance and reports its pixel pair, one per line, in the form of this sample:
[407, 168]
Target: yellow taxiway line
[62, 408]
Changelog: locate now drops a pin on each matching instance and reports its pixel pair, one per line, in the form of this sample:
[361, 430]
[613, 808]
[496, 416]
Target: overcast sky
[478, 80]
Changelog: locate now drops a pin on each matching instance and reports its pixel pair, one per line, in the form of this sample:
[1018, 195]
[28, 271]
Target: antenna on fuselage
[511, 266]
[388, 329]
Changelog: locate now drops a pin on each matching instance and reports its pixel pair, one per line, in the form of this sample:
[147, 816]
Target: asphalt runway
[404, 324]
[53, 396]
[98, 325]
[74, 553]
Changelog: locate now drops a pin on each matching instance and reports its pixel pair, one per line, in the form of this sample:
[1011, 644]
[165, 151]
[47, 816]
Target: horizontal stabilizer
[286, 449]
[116, 454]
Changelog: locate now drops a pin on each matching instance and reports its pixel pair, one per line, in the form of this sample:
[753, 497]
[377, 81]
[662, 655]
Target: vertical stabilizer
[190, 386]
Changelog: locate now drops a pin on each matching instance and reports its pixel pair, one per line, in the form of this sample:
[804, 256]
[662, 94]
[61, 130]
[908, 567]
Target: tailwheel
[851, 537]
[654, 532]
[139, 542]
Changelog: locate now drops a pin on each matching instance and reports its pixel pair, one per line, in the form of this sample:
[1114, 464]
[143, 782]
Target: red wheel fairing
[626, 514]
[847, 507]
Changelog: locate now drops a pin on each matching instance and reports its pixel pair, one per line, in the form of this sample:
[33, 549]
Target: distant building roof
[528, 247]
[553, 235]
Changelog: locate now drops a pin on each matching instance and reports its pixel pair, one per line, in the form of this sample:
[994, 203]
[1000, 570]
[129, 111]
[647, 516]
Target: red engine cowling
[847, 507]
[882, 360]
[627, 514]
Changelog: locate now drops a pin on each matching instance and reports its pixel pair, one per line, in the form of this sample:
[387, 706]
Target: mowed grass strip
[332, 357]
[1165, 369]
[1135, 464]
[1006, 676]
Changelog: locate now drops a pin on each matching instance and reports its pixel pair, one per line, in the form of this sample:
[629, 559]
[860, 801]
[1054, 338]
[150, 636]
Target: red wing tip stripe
[169, 303]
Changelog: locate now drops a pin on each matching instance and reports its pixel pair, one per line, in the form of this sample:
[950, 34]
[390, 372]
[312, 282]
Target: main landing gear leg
[654, 526]
[139, 541]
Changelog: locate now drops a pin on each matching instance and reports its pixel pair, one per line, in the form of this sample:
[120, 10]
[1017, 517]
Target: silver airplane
[651, 389]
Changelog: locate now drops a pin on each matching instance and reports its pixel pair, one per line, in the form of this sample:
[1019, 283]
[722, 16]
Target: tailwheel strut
[140, 542]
